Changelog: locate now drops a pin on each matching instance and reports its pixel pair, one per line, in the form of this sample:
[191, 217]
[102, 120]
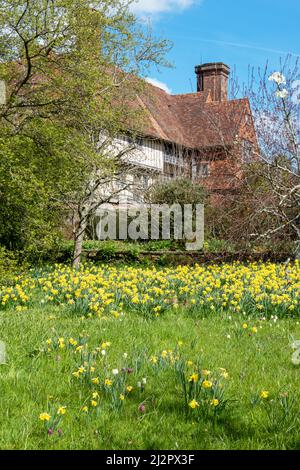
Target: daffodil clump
[53, 417]
[203, 390]
[100, 380]
[97, 380]
[256, 288]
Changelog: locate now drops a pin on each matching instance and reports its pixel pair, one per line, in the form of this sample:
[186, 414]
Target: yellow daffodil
[193, 404]
[207, 384]
[194, 378]
[44, 417]
[215, 402]
[62, 410]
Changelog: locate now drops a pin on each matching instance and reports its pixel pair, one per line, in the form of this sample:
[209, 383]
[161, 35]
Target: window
[200, 170]
[128, 139]
[170, 154]
[120, 185]
[170, 159]
[141, 181]
[145, 181]
[139, 141]
[247, 151]
[203, 170]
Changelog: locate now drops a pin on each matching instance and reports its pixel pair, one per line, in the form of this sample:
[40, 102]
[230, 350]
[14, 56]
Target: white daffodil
[278, 78]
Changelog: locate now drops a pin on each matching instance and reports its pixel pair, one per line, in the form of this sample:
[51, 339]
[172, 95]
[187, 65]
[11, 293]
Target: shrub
[9, 266]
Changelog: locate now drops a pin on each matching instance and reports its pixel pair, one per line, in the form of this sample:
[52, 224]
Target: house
[203, 135]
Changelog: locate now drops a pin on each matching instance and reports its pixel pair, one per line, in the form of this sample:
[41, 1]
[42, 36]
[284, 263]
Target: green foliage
[29, 217]
[177, 191]
[215, 245]
[9, 266]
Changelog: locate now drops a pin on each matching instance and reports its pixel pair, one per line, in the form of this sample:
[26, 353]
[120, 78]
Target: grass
[35, 381]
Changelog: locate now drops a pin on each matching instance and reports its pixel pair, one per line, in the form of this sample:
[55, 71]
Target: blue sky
[239, 33]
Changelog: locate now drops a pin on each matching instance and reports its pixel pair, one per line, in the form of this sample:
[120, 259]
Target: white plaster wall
[148, 154]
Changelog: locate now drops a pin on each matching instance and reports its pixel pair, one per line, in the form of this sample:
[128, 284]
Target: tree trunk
[297, 249]
[79, 237]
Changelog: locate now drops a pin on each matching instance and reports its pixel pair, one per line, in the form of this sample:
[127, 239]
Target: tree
[180, 191]
[72, 70]
[29, 215]
[276, 200]
[265, 206]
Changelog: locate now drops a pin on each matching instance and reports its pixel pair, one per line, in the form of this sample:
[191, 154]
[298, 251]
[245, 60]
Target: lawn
[136, 358]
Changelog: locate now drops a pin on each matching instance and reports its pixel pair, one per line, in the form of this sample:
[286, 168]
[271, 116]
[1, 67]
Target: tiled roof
[190, 120]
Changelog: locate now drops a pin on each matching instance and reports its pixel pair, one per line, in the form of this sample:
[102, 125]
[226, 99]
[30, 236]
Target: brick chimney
[212, 80]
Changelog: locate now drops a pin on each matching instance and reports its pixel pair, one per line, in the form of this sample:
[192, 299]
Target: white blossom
[115, 371]
[282, 94]
[103, 352]
[278, 78]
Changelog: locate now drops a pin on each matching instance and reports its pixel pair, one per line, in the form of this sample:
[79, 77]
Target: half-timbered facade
[202, 135]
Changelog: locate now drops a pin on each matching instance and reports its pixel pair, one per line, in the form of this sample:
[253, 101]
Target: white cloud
[160, 6]
[159, 84]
